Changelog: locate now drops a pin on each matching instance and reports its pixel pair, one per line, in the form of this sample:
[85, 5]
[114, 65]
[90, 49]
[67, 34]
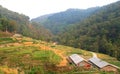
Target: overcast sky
[35, 8]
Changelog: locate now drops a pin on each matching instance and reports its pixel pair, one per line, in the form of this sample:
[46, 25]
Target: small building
[17, 35]
[102, 65]
[79, 61]
[55, 43]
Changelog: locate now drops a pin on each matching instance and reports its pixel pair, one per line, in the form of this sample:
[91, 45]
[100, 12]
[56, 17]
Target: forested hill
[13, 22]
[100, 32]
[7, 17]
[58, 21]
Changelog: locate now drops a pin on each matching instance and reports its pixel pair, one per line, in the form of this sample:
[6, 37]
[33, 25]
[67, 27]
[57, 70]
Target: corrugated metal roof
[76, 58]
[115, 66]
[98, 62]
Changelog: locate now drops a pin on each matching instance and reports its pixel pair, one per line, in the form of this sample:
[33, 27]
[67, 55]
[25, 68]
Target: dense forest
[100, 32]
[13, 22]
[9, 21]
[58, 21]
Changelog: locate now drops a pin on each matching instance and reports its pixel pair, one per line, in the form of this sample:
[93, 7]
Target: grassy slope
[5, 34]
[33, 56]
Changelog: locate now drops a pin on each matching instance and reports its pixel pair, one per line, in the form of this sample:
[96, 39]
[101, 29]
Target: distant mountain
[99, 32]
[41, 19]
[58, 21]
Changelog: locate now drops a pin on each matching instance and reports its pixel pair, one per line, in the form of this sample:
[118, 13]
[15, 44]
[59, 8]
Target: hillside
[58, 21]
[90, 30]
[12, 22]
[29, 56]
[99, 32]
[41, 19]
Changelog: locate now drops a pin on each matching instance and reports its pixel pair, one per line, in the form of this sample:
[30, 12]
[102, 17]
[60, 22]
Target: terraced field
[28, 56]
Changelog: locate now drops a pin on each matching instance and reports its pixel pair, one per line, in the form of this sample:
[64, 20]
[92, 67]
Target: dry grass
[9, 70]
[105, 57]
[27, 43]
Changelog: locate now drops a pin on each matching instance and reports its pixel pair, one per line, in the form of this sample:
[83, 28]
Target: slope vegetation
[26, 55]
[13, 22]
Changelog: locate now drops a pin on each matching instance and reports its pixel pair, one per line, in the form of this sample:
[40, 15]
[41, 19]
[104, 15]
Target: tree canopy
[14, 22]
[100, 32]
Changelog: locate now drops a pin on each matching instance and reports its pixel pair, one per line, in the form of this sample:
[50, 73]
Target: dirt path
[61, 54]
[94, 54]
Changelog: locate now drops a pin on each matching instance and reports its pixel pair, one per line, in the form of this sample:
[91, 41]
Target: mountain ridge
[64, 18]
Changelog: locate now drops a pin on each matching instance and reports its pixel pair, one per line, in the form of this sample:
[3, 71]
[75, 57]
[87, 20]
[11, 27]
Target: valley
[73, 41]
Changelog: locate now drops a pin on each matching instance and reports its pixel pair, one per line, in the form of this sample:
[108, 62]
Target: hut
[17, 35]
[103, 65]
[79, 61]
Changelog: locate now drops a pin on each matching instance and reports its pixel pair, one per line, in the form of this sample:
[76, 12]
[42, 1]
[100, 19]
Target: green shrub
[35, 70]
[1, 72]
[6, 40]
[47, 55]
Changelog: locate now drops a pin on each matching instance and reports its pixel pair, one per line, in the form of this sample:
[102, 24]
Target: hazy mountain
[41, 19]
[58, 21]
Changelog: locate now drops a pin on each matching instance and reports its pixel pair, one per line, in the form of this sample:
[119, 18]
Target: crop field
[29, 56]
